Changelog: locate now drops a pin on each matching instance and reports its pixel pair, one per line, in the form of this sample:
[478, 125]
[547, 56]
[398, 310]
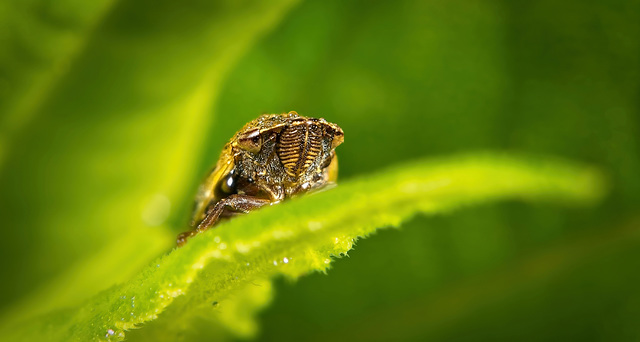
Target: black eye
[226, 186]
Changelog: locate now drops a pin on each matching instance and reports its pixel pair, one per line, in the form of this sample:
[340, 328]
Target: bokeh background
[112, 112]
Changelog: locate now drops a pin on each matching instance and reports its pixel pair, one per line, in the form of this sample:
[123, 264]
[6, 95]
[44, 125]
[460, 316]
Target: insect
[272, 158]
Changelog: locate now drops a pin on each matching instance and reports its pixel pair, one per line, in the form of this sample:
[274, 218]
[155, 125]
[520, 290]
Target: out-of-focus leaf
[105, 106]
[553, 279]
[41, 41]
[300, 236]
[409, 79]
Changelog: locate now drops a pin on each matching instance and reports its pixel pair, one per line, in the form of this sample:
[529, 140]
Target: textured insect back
[299, 145]
[272, 158]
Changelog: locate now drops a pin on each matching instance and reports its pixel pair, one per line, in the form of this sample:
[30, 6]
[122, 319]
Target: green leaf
[41, 42]
[105, 109]
[223, 272]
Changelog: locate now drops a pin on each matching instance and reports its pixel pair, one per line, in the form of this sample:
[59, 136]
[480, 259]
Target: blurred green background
[114, 110]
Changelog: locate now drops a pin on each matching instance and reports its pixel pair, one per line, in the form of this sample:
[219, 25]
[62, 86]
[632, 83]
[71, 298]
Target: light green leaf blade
[304, 235]
[105, 139]
[41, 41]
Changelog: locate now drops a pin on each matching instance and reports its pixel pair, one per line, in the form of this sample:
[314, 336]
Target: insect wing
[206, 191]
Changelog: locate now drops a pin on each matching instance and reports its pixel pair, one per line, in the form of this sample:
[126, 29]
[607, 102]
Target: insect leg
[240, 203]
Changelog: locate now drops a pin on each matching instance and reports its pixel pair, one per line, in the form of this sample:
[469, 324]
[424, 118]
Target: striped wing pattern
[298, 147]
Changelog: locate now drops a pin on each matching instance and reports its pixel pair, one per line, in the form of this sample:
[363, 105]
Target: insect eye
[338, 138]
[326, 162]
[226, 186]
[250, 141]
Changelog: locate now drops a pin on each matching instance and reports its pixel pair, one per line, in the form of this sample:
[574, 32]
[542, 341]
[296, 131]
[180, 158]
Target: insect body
[273, 157]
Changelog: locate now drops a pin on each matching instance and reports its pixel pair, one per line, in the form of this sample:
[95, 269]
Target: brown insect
[273, 157]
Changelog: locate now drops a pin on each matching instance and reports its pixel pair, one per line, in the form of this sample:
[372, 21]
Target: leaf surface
[105, 109]
[215, 272]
